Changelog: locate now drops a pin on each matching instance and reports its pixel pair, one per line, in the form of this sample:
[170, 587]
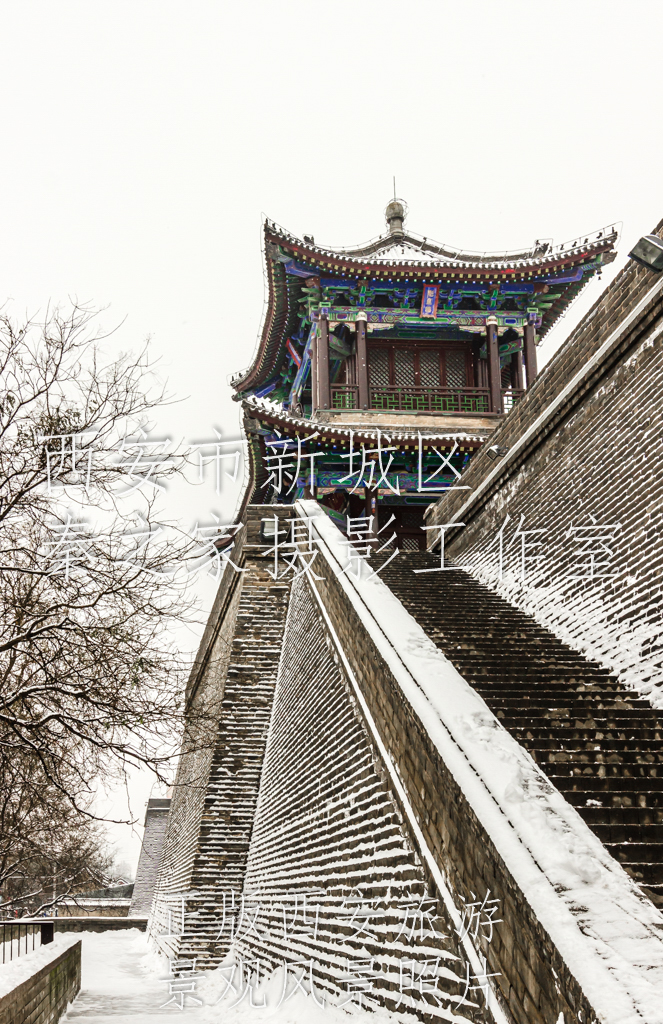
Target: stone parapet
[44, 996]
[90, 923]
[584, 446]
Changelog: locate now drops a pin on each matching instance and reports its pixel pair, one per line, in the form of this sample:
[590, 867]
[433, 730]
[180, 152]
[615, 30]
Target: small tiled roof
[262, 416]
[283, 419]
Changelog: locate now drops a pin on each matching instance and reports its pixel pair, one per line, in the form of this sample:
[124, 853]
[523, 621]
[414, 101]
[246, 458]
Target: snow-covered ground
[124, 980]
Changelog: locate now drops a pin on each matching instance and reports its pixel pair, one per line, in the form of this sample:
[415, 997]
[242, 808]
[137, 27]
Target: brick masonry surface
[156, 821]
[596, 458]
[216, 789]
[536, 985]
[44, 997]
[205, 697]
[332, 877]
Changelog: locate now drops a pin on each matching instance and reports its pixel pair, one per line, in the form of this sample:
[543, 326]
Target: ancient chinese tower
[435, 784]
[414, 339]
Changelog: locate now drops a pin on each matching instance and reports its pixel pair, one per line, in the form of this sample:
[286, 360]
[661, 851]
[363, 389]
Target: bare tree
[89, 680]
[48, 851]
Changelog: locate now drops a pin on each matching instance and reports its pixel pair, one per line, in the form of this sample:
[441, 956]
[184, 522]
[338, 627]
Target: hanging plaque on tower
[429, 300]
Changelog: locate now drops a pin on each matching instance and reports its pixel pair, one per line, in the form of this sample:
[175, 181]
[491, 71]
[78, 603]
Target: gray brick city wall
[216, 789]
[535, 983]
[234, 777]
[313, 810]
[597, 457]
[328, 845]
[44, 997]
[156, 821]
[205, 696]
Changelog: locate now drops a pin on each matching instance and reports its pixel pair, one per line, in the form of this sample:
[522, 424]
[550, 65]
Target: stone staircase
[234, 778]
[597, 742]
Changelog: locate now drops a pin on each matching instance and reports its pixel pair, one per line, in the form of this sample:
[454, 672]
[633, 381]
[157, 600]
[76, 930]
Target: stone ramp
[359, 762]
[597, 742]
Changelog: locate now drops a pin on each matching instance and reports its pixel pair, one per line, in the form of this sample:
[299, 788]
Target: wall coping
[88, 922]
[609, 935]
[227, 584]
[24, 971]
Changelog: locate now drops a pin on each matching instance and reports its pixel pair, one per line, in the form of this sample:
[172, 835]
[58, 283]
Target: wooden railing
[344, 396]
[464, 400]
[411, 399]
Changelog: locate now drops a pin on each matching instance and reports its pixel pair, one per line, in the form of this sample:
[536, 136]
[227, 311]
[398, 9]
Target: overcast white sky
[144, 140]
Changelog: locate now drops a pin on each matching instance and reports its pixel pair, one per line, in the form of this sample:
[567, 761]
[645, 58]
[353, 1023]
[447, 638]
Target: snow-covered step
[526, 690]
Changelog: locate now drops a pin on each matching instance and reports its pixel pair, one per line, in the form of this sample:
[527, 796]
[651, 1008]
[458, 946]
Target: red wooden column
[517, 371]
[324, 394]
[494, 381]
[530, 354]
[314, 374]
[362, 362]
[482, 372]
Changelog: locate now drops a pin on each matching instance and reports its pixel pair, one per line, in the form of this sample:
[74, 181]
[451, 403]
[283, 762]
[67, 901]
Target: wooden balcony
[469, 401]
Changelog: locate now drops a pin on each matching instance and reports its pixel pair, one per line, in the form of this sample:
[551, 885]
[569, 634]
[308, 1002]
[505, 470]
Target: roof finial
[395, 214]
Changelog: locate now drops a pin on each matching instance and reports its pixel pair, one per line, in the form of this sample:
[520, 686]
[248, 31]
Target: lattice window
[408, 543]
[412, 519]
[404, 367]
[344, 398]
[455, 362]
[378, 361]
[429, 368]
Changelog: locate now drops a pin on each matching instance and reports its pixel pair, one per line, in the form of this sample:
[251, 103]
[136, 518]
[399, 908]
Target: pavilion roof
[407, 249]
[402, 257]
